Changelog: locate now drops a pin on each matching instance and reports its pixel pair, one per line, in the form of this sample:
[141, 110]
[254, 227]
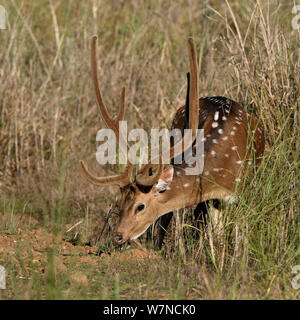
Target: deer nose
[118, 238]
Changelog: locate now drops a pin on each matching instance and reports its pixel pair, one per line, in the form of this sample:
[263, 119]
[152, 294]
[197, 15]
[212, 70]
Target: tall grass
[247, 51]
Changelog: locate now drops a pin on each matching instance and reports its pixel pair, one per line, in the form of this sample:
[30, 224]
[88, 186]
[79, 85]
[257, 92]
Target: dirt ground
[28, 244]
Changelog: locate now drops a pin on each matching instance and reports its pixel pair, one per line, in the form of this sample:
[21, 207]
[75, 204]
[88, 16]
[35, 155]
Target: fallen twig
[74, 226]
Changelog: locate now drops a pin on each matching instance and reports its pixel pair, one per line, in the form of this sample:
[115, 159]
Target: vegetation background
[248, 51]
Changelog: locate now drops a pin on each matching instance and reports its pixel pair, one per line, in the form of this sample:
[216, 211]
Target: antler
[144, 176]
[112, 124]
[122, 179]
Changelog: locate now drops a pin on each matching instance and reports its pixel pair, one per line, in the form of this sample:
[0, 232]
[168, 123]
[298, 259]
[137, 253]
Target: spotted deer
[156, 191]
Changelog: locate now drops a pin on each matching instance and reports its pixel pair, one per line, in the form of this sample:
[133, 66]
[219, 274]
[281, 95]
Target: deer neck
[184, 191]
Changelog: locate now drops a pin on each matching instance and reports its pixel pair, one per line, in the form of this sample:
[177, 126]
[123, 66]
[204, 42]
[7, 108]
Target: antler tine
[109, 122]
[122, 179]
[143, 178]
[193, 116]
[194, 91]
[122, 111]
[187, 100]
[192, 101]
[112, 124]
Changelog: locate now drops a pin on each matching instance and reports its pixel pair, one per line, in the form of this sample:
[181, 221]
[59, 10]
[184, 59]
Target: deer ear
[165, 180]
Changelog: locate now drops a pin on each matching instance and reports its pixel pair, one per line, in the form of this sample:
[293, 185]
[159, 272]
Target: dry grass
[247, 51]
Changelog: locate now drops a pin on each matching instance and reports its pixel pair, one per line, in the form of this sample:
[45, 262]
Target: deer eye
[140, 207]
[162, 190]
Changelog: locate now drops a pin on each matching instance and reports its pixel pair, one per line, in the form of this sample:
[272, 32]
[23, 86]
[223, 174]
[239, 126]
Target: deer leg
[163, 223]
[216, 234]
[200, 214]
[201, 211]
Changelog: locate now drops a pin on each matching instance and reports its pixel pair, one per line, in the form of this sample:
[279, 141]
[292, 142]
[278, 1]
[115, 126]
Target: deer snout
[118, 239]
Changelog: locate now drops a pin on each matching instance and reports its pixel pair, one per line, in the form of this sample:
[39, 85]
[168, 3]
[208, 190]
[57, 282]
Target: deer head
[155, 191]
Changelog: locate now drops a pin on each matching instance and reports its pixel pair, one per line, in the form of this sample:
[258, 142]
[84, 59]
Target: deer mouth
[124, 246]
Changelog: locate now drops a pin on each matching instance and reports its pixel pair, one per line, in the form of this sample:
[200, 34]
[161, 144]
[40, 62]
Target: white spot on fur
[226, 155]
[224, 118]
[232, 133]
[237, 179]
[215, 141]
[216, 116]
[213, 152]
[220, 131]
[225, 138]
[239, 162]
[234, 148]
[186, 185]
[214, 124]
